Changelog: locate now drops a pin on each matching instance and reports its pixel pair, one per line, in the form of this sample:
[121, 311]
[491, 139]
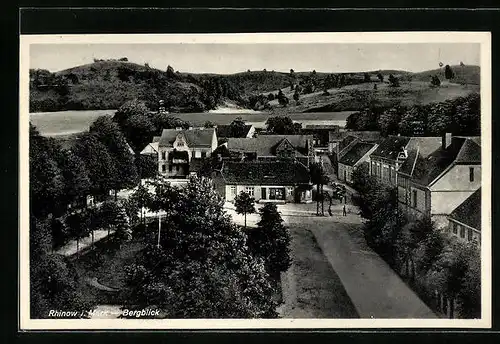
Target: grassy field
[70, 122]
[358, 97]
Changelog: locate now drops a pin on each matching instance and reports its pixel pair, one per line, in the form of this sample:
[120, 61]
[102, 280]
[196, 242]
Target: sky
[238, 57]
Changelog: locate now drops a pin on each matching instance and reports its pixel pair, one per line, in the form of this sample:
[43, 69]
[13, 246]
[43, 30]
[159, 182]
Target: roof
[265, 173]
[265, 145]
[226, 130]
[197, 137]
[151, 148]
[469, 212]
[346, 142]
[368, 136]
[334, 127]
[426, 144]
[354, 154]
[425, 169]
[390, 147]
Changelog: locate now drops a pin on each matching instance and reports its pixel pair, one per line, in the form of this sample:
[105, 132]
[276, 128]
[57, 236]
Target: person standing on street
[344, 213]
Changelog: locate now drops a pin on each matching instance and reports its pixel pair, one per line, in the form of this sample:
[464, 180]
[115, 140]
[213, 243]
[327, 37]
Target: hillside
[108, 84]
[463, 74]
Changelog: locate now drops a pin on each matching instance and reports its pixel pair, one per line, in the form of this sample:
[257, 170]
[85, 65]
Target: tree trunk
[322, 201]
[245, 220]
[317, 199]
[77, 246]
[92, 239]
[116, 195]
[452, 307]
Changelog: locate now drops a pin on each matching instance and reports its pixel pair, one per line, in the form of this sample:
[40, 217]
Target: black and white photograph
[232, 181]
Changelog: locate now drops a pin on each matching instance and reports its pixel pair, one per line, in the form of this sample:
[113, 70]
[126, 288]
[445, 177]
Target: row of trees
[460, 116]
[433, 261]
[200, 264]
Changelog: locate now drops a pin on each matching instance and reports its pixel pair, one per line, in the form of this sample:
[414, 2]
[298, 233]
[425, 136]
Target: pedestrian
[330, 211]
[344, 213]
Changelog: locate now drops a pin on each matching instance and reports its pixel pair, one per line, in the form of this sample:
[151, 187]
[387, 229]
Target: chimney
[446, 140]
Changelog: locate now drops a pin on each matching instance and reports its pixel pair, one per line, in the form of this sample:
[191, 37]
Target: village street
[334, 273]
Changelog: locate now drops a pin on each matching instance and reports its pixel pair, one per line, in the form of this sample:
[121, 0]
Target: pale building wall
[444, 202]
[457, 178]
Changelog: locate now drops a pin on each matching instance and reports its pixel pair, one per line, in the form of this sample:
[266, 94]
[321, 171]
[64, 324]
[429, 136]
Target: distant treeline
[460, 116]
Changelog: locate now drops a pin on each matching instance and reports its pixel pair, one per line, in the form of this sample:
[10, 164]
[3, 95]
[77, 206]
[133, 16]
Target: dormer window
[180, 144]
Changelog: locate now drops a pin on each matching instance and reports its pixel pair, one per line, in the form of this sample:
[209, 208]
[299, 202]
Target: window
[414, 198]
[462, 232]
[163, 155]
[197, 154]
[233, 190]
[469, 234]
[471, 174]
[276, 193]
[250, 191]
[169, 168]
[290, 191]
[163, 168]
[455, 228]
[203, 154]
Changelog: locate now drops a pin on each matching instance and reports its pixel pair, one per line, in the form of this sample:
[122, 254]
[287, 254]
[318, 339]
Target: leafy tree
[238, 127]
[448, 72]
[319, 178]
[203, 267]
[270, 97]
[380, 77]
[108, 212]
[366, 77]
[142, 197]
[109, 134]
[79, 226]
[393, 81]
[435, 82]
[415, 114]
[467, 116]
[469, 296]
[282, 99]
[209, 124]
[271, 240]
[389, 120]
[130, 108]
[244, 205]
[281, 125]
[296, 97]
[98, 161]
[76, 176]
[449, 271]
[46, 179]
[170, 72]
[440, 115]
[123, 231]
[146, 165]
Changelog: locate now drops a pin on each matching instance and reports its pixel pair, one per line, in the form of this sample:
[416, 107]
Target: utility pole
[159, 228]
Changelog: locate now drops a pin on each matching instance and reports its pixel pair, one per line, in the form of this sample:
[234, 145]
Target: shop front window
[277, 193]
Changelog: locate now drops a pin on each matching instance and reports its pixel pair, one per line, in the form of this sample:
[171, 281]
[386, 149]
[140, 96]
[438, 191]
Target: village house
[339, 143]
[181, 151]
[321, 135]
[386, 160]
[273, 147]
[358, 154]
[436, 184]
[266, 181]
[465, 220]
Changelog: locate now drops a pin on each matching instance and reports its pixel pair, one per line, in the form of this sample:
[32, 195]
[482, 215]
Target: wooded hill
[107, 84]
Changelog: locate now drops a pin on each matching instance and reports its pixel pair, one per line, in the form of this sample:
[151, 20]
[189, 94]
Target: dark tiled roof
[428, 168]
[367, 136]
[356, 153]
[225, 131]
[346, 142]
[265, 173]
[196, 137]
[390, 147]
[322, 127]
[426, 144]
[469, 212]
[265, 145]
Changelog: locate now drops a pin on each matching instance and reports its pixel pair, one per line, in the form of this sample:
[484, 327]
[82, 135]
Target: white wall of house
[444, 202]
[345, 173]
[256, 192]
[459, 178]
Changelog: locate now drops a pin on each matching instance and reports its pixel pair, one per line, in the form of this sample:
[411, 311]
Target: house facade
[358, 154]
[464, 222]
[436, 184]
[386, 160]
[273, 148]
[265, 181]
[180, 149]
